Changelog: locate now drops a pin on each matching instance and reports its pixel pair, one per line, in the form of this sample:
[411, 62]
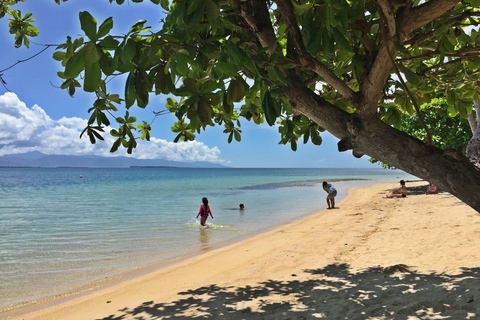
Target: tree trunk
[473, 147]
[369, 135]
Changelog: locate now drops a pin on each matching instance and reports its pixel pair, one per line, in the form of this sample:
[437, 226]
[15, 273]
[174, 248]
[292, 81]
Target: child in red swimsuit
[204, 211]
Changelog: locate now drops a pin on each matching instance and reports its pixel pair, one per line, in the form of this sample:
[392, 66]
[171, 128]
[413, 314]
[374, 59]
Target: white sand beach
[371, 258]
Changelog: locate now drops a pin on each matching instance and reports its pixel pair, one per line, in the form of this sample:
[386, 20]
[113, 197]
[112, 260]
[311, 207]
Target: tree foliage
[355, 68]
[447, 132]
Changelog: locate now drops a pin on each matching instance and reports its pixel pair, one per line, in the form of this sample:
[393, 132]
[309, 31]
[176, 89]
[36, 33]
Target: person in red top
[204, 211]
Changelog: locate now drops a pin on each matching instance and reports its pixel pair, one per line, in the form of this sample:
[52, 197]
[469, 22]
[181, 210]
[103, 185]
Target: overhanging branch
[306, 60]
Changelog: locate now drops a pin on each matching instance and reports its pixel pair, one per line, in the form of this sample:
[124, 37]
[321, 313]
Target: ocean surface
[62, 229]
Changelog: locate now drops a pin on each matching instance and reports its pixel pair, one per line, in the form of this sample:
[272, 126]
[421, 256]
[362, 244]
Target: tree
[350, 67]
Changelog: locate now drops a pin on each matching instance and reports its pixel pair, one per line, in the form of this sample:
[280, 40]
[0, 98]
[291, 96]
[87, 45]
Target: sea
[66, 229]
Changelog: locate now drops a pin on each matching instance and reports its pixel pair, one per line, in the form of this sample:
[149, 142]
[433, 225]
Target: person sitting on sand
[332, 192]
[399, 192]
[204, 211]
[432, 189]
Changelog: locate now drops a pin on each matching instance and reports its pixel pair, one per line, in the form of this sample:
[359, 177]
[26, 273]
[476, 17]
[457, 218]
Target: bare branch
[24, 60]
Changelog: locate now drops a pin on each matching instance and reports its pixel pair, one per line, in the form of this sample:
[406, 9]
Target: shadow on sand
[420, 190]
[333, 292]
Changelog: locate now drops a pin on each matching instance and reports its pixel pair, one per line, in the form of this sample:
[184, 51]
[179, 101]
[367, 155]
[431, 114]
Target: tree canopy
[357, 69]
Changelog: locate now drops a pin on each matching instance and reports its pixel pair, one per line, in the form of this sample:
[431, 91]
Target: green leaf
[236, 90]
[181, 64]
[341, 40]
[191, 86]
[328, 46]
[411, 77]
[129, 49]
[88, 25]
[213, 12]
[105, 28]
[269, 109]
[74, 65]
[227, 107]
[137, 26]
[116, 144]
[109, 43]
[225, 69]
[59, 55]
[204, 111]
[92, 77]
[142, 87]
[130, 90]
[91, 53]
[164, 4]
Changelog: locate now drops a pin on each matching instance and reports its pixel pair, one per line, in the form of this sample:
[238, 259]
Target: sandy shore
[372, 258]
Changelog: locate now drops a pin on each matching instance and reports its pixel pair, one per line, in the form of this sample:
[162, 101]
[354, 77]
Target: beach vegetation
[358, 69]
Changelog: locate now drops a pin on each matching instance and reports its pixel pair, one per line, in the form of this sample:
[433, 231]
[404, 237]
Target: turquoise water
[64, 228]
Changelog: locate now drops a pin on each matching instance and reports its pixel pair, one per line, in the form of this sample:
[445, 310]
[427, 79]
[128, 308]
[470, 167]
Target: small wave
[211, 226]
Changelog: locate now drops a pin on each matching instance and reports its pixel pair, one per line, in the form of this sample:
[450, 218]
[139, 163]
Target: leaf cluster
[208, 58]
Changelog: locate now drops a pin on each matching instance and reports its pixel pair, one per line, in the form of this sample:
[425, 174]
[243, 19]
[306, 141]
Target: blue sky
[37, 115]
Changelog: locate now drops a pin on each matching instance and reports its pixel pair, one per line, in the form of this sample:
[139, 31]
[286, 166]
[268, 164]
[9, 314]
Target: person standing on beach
[332, 192]
[204, 211]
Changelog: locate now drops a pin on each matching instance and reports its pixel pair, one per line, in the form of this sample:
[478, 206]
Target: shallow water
[65, 227]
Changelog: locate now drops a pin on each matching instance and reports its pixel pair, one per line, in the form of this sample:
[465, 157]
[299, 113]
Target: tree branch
[423, 14]
[406, 22]
[306, 60]
[255, 13]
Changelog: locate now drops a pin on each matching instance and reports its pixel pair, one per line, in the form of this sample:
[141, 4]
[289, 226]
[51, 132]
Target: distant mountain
[38, 159]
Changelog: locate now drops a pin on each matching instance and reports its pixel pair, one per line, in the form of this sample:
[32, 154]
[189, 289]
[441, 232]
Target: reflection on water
[205, 238]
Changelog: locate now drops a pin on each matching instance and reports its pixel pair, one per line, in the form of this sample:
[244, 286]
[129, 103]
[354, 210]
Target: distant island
[152, 167]
[40, 160]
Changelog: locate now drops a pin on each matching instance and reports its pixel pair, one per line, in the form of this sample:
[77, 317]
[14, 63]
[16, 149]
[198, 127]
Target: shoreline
[342, 240]
[112, 280]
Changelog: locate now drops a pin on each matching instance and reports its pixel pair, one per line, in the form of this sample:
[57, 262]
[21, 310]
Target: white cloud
[23, 130]
[186, 151]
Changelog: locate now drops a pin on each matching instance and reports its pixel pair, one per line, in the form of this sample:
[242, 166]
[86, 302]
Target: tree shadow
[333, 292]
[420, 190]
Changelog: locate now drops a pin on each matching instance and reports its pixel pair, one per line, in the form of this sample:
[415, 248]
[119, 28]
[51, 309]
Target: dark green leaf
[341, 40]
[164, 4]
[204, 111]
[130, 95]
[92, 77]
[236, 90]
[143, 86]
[128, 50]
[269, 109]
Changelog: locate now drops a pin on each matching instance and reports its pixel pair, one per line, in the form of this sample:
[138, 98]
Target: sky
[36, 115]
